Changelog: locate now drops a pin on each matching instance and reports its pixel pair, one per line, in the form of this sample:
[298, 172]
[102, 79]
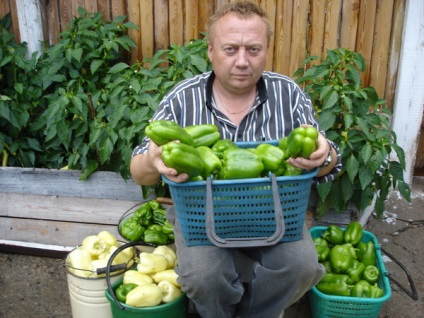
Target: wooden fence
[302, 28]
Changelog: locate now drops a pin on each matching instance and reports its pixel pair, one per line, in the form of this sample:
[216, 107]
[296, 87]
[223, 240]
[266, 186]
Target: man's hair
[243, 9]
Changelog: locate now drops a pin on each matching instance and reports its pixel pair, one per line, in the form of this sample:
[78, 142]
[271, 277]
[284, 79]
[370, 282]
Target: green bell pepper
[371, 274]
[272, 157]
[341, 258]
[302, 141]
[327, 266]
[365, 289]
[322, 248]
[159, 216]
[132, 230]
[366, 253]
[353, 233]
[282, 144]
[212, 164]
[335, 284]
[144, 214]
[122, 291]
[221, 145]
[240, 163]
[183, 158]
[163, 131]
[336, 278]
[203, 135]
[355, 271]
[167, 228]
[292, 170]
[154, 236]
[334, 235]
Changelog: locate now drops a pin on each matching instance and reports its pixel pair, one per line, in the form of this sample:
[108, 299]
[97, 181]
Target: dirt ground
[36, 287]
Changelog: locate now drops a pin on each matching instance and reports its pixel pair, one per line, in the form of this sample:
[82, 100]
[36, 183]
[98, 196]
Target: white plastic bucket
[87, 295]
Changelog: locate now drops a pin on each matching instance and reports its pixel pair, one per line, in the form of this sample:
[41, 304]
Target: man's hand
[317, 158]
[155, 157]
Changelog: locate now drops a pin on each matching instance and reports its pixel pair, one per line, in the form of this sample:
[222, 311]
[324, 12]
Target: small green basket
[325, 306]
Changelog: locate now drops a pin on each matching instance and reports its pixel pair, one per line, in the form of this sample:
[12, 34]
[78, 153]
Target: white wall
[409, 96]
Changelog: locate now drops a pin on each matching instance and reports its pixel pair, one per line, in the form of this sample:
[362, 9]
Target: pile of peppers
[148, 224]
[200, 152]
[349, 262]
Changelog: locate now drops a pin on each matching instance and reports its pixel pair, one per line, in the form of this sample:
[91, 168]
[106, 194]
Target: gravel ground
[36, 286]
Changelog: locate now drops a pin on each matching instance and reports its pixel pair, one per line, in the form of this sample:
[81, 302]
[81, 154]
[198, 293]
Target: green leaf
[366, 152]
[326, 120]
[352, 168]
[89, 169]
[94, 66]
[365, 128]
[118, 68]
[324, 189]
[331, 100]
[365, 177]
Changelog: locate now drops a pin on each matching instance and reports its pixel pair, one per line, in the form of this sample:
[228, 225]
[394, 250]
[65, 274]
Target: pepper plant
[79, 104]
[358, 121]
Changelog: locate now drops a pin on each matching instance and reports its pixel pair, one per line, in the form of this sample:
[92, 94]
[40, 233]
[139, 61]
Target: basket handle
[413, 293]
[245, 242]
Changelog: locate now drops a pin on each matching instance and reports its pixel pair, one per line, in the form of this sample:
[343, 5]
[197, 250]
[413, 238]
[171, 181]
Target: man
[246, 104]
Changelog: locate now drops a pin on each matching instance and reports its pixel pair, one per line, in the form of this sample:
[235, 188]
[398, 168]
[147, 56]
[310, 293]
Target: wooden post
[30, 24]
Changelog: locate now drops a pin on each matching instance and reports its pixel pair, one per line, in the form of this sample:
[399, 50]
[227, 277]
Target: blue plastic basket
[324, 306]
[242, 212]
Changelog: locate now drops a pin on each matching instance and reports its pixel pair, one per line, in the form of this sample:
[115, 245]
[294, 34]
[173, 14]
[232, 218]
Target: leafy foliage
[355, 118]
[79, 104]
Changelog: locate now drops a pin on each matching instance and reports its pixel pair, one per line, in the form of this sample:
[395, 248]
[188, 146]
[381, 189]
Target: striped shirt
[279, 107]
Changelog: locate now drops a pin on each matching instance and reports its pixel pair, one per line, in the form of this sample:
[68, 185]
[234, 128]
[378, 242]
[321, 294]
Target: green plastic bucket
[174, 309]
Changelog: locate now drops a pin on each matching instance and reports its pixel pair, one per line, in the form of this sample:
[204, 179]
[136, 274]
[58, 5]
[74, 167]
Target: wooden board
[57, 210]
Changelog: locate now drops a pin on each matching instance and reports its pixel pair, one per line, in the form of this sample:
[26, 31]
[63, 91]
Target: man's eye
[229, 50]
[254, 50]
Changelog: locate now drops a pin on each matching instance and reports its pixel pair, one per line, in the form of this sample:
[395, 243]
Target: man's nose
[241, 60]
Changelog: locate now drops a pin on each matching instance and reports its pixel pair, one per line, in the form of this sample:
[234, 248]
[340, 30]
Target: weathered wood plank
[176, 22]
[383, 28]
[135, 35]
[161, 25]
[106, 185]
[50, 232]
[316, 31]
[283, 36]
[299, 35]
[67, 209]
[349, 24]
[394, 53]
[364, 39]
[146, 28]
[331, 26]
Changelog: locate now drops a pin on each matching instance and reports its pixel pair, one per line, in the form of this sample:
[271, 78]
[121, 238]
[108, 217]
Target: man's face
[238, 52]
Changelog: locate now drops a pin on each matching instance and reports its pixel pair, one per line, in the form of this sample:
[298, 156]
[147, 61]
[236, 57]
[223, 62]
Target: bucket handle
[245, 242]
[413, 293]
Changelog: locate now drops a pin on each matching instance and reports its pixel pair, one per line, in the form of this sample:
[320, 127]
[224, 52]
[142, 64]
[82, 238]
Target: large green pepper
[355, 271]
[322, 248]
[164, 131]
[353, 233]
[327, 266]
[159, 216]
[122, 291]
[155, 236]
[144, 214]
[341, 258]
[335, 284]
[365, 289]
[371, 274]
[282, 144]
[240, 163]
[366, 253]
[334, 235]
[302, 141]
[203, 135]
[292, 170]
[183, 158]
[221, 145]
[272, 158]
[132, 230]
[212, 164]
